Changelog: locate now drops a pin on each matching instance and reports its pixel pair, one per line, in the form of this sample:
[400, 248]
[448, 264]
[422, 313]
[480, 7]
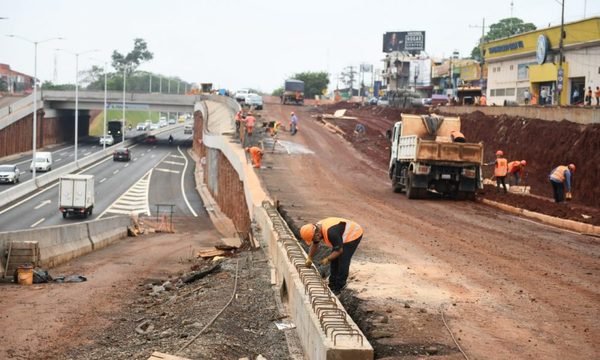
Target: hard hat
[292, 113]
[572, 167]
[499, 153]
[523, 162]
[307, 233]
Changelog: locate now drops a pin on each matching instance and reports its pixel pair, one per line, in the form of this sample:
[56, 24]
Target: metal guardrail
[333, 318]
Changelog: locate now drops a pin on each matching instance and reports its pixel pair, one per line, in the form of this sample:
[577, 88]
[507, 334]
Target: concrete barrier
[106, 231]
[61, 243]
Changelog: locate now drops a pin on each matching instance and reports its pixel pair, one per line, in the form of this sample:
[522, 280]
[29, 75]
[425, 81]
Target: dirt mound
[544, 144]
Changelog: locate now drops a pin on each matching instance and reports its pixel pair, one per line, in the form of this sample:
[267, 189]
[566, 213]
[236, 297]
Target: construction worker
[256, 154]
[238, 120]
[517, 169]
[250, 121]
[560, 178]
[500, 170]
[293, 123]
[483, 100]
[457, 136]
[343, 237]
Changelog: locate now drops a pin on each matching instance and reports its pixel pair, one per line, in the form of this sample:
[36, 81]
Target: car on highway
[171, 121]
[254, 100]
[151, 139]
[240, 95]
[162, 123]
[42, 161]
[141, 126]
[107, 139]
[122, 154]
[9, 174]
[188, 129]
[154, 127]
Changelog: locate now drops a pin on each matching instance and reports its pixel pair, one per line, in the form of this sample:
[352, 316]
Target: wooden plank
[161, 356]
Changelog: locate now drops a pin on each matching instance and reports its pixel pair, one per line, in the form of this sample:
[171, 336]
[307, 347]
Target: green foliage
[278, 91]
[131, 117]
[503, 28]
[48, 85]
[314, 82]
[134, 58]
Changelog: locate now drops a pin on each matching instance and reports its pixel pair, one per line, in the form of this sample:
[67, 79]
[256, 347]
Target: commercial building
[530, 61]
[13, 81]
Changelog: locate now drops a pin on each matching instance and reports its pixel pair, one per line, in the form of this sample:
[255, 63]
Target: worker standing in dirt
[483, 100]
[293, 123]
[597, 95]
[517, 169]
[250, 121]
[238, 120]
[256, 154]
[500, 170]
[457, 136]
[526, 96]
[343, 237]
[560, 178]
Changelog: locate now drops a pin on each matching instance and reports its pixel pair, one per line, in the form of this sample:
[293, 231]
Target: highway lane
[112, 179]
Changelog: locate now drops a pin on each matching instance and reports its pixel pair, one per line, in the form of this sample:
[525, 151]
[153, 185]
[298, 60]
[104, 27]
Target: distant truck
[115, 128]
[293, 92]
[76, 195]
[423, 157]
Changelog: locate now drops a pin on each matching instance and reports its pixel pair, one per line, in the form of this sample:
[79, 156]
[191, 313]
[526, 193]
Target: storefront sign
[506, 47]
[542, 49]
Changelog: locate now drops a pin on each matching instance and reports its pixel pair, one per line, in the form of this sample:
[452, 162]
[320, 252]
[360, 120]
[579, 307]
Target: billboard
[410, 41]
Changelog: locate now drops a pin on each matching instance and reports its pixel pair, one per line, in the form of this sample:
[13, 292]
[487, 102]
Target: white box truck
[76, 195]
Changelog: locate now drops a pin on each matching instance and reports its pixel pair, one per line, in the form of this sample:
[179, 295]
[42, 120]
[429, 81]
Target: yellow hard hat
[307, 233]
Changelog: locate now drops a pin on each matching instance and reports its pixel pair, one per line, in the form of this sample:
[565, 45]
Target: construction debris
[160, 356]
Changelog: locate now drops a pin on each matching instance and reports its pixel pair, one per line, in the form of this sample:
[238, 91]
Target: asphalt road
[162, 163]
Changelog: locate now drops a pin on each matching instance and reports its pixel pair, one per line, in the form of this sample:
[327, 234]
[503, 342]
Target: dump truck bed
[411, 148]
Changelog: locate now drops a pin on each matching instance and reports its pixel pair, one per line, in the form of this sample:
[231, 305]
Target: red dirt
[509, 288]
[525, 137]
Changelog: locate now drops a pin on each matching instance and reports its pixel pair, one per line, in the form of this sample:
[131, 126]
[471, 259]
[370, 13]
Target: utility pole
[481, 41]
[560, 75]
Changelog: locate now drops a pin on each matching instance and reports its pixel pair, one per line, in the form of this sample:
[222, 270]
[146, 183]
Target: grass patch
[131, 117]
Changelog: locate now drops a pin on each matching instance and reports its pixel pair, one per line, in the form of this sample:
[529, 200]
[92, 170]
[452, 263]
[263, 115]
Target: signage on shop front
[506, 47]
[541, 49]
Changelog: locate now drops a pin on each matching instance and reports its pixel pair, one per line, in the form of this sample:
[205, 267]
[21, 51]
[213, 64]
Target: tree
[503, 28]
[134, 58]
[314, 82]
[278, 91]
[48, 85]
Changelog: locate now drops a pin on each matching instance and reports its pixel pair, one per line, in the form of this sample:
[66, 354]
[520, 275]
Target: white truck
[76, 195]
[424, 157]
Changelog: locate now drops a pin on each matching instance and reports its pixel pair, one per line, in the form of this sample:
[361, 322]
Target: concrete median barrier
[106, 231]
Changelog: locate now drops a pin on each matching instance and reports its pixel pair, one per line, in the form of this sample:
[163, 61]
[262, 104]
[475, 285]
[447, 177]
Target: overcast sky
[257, 43]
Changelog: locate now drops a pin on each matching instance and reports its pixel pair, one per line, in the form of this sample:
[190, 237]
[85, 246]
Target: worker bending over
[457, 136]
[256, 154]
[560, 178]
[343, 237]
[517, 169]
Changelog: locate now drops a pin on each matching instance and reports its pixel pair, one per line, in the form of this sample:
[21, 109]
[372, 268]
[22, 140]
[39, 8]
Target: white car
[171, 121]
[9, 174]
[107, 139]
[162, 123]
[154, 127]
[240, 95]
[254, 100]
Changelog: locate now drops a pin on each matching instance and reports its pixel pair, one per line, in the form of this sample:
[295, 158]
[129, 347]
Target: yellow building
[530, 61]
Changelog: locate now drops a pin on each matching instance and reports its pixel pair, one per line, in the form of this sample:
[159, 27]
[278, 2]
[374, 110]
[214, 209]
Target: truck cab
[424, 158]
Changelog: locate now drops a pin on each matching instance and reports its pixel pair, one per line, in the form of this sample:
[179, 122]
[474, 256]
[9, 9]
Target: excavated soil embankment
[544, 144]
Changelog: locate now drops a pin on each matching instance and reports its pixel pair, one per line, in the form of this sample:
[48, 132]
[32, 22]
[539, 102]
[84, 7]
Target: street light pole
[105, 102]
[560, 51]
[34, 125]
[124, 87]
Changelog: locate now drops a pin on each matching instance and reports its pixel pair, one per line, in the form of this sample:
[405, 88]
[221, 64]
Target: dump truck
[293, 92]
[424, 157]
[76, 195]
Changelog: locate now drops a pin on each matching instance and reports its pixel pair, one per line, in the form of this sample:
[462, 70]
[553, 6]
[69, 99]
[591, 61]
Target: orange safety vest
[559, 173]
[352, 232]
[255, 151]
[514, 166]
[501, 167]
[483, 101]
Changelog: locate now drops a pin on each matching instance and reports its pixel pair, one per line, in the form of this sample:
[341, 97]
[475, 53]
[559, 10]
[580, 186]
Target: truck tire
[64, 215]
[396, 186]
[411, 192]
[465, 195]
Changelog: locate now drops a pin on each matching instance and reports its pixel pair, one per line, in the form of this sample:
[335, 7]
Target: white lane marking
[134, 159]
[37, 222]
[59, 159]
[126, 165]
[148, 150]
[87, 153]
[138, 203]
[152, 156]
[142, 154]
[55, 184]
[43, 203]
[167, 170]
[182, 178]
[177, 156]
[103, 180]
[173, 162]
[115, 172]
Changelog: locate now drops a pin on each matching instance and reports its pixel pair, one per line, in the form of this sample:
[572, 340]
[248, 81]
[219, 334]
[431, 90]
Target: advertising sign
[410, 41]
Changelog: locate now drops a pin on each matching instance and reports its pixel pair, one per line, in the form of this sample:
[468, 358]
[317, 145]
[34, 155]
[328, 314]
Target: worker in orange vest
[343, 237]
[238, 120]
[500, 170]
[256, 154]
[250, 121]
[483, 100]
[457, 136]
[560, 178]
[517, 169]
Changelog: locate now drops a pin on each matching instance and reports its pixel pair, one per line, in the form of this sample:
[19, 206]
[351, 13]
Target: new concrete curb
[586, 229]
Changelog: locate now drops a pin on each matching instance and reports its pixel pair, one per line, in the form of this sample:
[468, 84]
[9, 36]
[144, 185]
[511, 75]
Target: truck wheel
[64, 215]
[396, 186]
[411, 192]
[90, 212]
